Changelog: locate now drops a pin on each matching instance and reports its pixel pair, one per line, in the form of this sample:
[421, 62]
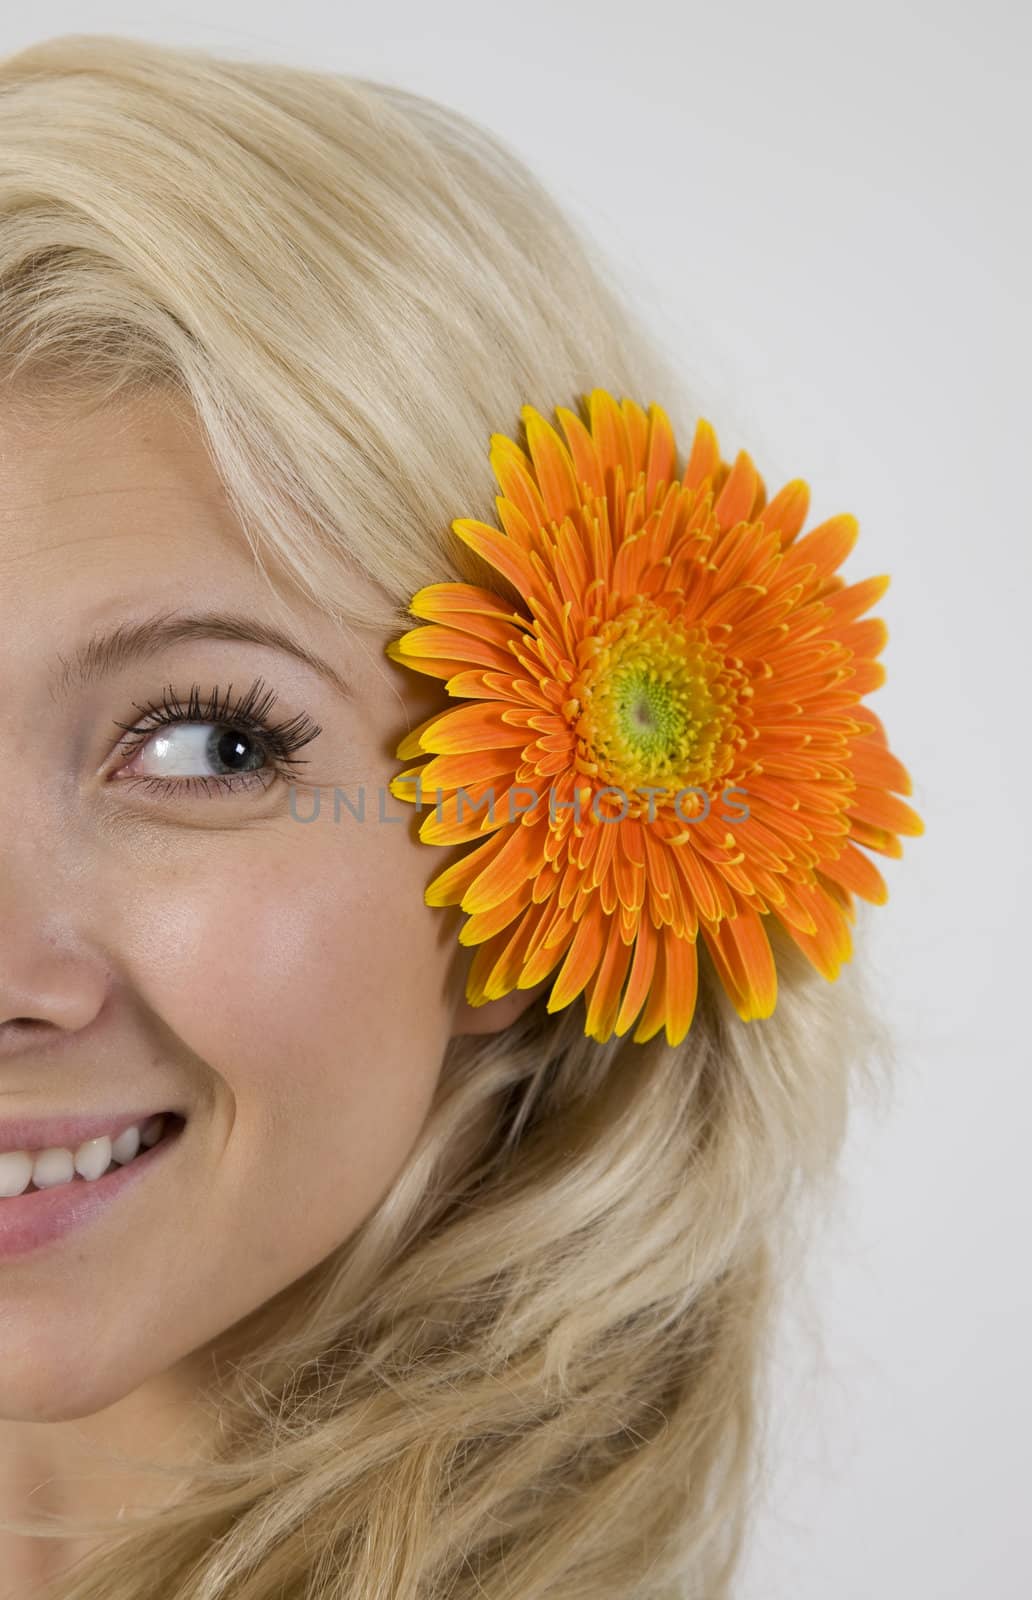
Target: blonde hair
[538, 1369]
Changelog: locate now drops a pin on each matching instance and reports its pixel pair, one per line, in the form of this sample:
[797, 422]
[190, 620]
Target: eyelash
[247, 715]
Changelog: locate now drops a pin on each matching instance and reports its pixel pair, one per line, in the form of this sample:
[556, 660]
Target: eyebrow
[132, 642]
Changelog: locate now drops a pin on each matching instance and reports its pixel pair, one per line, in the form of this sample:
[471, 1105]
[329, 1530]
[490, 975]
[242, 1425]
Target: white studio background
[824, 207]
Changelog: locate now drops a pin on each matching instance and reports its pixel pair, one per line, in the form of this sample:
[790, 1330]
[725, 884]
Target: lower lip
[28, 1221]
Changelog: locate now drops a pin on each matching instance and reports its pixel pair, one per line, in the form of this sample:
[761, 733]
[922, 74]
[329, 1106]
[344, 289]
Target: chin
[64, 1387]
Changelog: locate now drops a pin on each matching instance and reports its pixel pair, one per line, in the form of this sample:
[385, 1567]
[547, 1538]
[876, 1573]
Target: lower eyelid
[186, 785]
[227, 783]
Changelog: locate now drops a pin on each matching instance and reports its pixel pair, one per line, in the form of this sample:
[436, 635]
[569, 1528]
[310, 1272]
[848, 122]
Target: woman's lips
[41, 1216]
[44, 1133]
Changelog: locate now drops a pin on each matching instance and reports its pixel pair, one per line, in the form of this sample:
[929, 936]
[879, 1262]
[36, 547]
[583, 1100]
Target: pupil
[230, 748]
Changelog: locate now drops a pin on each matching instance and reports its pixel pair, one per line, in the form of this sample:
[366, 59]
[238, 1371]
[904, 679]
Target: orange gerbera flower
[678, 641]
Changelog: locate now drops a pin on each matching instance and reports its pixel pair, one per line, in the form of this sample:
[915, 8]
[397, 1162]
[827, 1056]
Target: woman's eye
[209, 754]
[213, 744]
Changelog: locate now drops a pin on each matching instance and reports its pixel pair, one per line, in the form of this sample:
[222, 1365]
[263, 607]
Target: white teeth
[93, 1158]
[126, 1145]
[15, 1173]
[52, 1167]
[47, 1169]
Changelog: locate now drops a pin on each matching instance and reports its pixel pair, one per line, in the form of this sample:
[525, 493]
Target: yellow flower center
[655, 704]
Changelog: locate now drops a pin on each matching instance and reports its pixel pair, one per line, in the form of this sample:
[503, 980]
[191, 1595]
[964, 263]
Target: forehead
[131, 481]
[112, 514]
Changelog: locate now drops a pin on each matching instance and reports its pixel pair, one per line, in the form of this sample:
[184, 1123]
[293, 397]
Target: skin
[203, 952]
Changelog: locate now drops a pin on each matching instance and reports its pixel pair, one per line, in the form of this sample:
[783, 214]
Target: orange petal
[582, 957]
[553, 934]
[791, 909]
[698, 879]
[609, 431]
[485, 958]
[448, 888]
[786, 513]
[449, 602]
[742, 941]
[839, 893]
[642, 969]
[432, 642]
[496, 964]
[571, 562]
[654, 1015]
[526, 535]
[876, 767]
[867, 676]
[519, 858]
[874, 729]
[586, 463]
[737, 496]
[832, 944]
[884, 811]
[476, 684]
[634, 556]
[725, 965]
[661, 462]
[406, 785]
[826, 546]
[637, 433]
[511, 964]
[435, 666]
[468, 770]
[474, 727]
[552, 465]
[866, 638]
[603, 991]
[705, 456]
[485, 924]
[515, 473]
[858, 873]
[628, 877]
[454, 821]
[502, 553]
[856, 598]
[410, 746]
[681, 983]
[880, 839]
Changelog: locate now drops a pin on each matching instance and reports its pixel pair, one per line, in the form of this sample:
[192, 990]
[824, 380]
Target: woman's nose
[51, 982]
[45, 993]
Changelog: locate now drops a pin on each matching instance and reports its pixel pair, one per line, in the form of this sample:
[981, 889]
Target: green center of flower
[656, 702]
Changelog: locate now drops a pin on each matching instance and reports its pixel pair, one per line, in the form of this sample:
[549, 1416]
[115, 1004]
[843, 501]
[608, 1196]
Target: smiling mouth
[171, 1126]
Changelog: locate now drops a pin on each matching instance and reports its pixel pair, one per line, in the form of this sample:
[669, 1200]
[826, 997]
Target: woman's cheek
[299, 980]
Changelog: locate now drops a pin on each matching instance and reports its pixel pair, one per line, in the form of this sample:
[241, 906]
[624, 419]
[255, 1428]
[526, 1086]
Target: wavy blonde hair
[538, 1369]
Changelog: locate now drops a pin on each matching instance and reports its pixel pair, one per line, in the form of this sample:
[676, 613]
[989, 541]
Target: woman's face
[171, 942]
